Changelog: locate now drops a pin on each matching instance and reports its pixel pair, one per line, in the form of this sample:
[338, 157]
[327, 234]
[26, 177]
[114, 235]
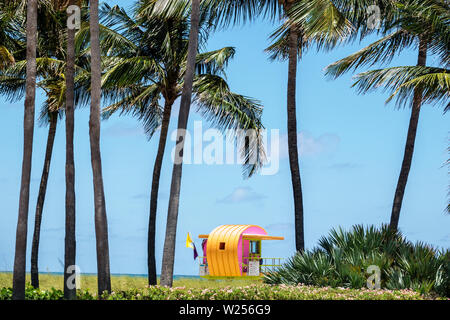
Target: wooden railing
[266, 264]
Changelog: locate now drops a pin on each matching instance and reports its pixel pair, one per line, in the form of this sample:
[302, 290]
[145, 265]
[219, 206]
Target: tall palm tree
[12, 83]
[175, 187]
[221, 12]
[422, 25]
[52, 121]
[294, 36]
[70, 241]
[139, 79]
[22, 221]
[290, 46]
[50, 72]
[101, 224]
[290, 41]
[52, 75]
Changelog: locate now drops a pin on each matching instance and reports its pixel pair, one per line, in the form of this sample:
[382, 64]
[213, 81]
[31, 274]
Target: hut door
[254, 258]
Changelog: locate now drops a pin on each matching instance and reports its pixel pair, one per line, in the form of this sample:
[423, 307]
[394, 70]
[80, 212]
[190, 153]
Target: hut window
[255, 247]
[222, 246]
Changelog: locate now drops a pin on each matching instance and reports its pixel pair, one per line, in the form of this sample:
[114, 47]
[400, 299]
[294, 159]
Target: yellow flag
[189, 242]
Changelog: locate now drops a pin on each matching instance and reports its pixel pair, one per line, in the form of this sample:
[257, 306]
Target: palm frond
[129, 71]
[12, 88]
[110, 40]
[6, 58]
[214, 62]
[279, 49]
[321, 21]
[45, 114]
[44, 66]
[228, 110]
[217, 13]
[162, 8]
[117, 18]
[232, 12]
[381, 51]
[434, 83]
[139, 101]
[430, 20]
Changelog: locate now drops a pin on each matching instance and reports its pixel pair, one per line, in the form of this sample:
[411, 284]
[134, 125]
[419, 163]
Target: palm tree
[52, 82]
[290, 46]
[175, 187]
[290, 41]
[53, 76]
[139, 79]
[419, 24]
[52, 120]
[70, 242]
[101, 224]
[220, 12]
[22, 221]
[294, 37]
[12, 83]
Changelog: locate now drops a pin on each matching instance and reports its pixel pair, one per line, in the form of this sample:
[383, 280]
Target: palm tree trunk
[28, 129]
[152, 280]
[292, 140]
[70, 242]
[410, 140]
[174, 200]
[41, 199]
[101, 224]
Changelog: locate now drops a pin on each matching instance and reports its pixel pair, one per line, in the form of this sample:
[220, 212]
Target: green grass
[122, 283]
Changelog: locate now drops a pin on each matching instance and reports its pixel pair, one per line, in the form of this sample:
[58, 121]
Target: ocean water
[177, 276]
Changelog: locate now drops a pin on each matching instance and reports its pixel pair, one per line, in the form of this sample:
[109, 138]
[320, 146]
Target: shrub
[38, 294]
[5, 294]
[33, 294]
[342, 259]
[251, 292]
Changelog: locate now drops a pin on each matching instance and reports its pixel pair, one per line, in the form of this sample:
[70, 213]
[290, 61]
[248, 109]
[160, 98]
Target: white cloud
[242, 194]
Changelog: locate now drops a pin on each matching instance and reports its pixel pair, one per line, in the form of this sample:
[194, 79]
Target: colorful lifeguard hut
[235, 251]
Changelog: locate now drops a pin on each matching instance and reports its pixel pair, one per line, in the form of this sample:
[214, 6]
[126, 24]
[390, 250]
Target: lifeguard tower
[235, 251]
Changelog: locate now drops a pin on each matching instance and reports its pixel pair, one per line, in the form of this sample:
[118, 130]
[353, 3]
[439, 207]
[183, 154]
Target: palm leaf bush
[343, 258]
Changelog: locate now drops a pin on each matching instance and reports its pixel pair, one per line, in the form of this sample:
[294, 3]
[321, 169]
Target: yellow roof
[249, 236]
[260, 237]
[224, 262]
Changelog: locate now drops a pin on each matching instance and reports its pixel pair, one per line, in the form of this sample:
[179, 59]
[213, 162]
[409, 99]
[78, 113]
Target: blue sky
[353, 152]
